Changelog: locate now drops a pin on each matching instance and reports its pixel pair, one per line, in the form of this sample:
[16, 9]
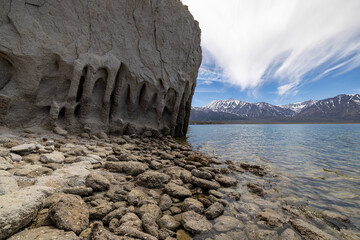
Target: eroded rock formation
[119, 66]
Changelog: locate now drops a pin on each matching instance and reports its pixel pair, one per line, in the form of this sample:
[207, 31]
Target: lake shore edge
[141, 187]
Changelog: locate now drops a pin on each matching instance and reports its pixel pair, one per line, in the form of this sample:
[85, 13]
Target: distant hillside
[342, 108]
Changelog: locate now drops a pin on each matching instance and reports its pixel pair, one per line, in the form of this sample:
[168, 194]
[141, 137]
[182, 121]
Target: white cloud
[256, 41]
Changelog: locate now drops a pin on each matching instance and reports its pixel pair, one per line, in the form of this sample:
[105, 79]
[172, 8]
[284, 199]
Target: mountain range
[342, 108]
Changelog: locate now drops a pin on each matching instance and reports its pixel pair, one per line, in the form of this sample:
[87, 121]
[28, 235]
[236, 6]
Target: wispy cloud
[291, 42]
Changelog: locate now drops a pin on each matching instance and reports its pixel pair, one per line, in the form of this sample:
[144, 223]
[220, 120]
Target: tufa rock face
[118, 66]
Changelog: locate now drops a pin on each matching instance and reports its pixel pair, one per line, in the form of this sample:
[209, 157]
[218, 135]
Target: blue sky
[279, 51]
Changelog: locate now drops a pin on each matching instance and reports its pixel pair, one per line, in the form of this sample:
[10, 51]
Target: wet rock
[19, 208]
[44, 233]
[152, 179]
[309, 231]
[254, 233]
[191, 204]
[238, 235]
[225, 181]
[97, 182]
[4, 164]
[227, 223]
[271, 219]
[222, 236]
[216, 193]
[165, 202]
[152, 209]
[118, 213]
[70, 214]
[195, 222]
[335, 216]
[206, 184]
[214, 210]
[149, 225]
[234, 195]
[8, 183]
[78, 190]
[54, 157]
[183, 235]
[131, 167]
[201, 174]
[177, 191]
[23, 148]
[135, 196]
[256, 188]
[168, 222]
[289, 234]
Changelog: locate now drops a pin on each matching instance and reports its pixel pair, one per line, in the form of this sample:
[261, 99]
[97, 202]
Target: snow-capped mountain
[340, 108]
[297, 107]
[249, 110]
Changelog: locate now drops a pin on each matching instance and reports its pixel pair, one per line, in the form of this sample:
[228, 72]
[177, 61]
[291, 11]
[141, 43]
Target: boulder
[5, 165]
[201, 174]
[20, 207]
[149, 225]
[214, 210]
[206, 184]
[151, 209]
[309, 231]
[8, 183]
[165, 202]
[131, 167]
[117, 213]
[225, 181]
[44, 233]
[70, 214]
[289, 234]
[271, 219]
[335, 216]
[54, 157]
[256, 189]
[177, 191]
[227, 223]
[63, 176]
[191, 204]
[23, 148]
[101, 210]
[152, 179]
[135, 196]
[195, 222]
[98, 232]
[97, 182]
[168, 222]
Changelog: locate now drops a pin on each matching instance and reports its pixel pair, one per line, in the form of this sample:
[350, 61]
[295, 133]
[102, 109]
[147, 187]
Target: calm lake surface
[320, 162]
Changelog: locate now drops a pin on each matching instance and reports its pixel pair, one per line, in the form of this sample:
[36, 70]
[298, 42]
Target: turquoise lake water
[319, 162]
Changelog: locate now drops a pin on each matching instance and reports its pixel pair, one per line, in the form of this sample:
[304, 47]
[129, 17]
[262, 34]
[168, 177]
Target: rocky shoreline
[142, 187]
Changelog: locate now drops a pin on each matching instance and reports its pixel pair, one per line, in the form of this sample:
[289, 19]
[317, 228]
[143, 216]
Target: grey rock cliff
[119, 66]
